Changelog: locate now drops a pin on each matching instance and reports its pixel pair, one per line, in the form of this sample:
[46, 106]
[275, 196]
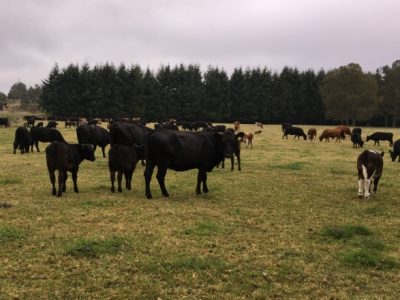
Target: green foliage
[8, 233]
[390, 89]
[368, 258]
[345, 232]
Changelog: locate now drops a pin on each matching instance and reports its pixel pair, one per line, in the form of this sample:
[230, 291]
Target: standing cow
[22, 140]
[182, 151]
[95, 135]
[44, 134]
[121, 159]
[369, 166]
[66, 158]
[312, 134]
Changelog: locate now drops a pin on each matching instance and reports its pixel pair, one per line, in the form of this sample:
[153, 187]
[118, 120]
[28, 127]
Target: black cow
[357, 140]
[369, 166]
[22, 140]
[44, 134]
[286, 125]
[232, 147]
[39, 124]
[296, 131]
[122, 159]
[66, 157]
[129, 135]
[356, 130]
[5, 122]
[52, 124]
[381, 136]
[95, 135]
[181, 151]
[396, 151]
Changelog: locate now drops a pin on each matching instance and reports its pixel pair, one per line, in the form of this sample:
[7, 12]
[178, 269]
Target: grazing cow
[4, 122]
[236, 125]
[232, 147]
[52, 124]
[248, 138]
[357, 140]
[369, 166]
[129, 135]
[259, 124]
[66, 157]
[331, 133]
[22, 140]
[296, 131]
[312, 134]
[44, 134]
[182, 151]
[40, 124]
[356, 130]
[396, 151]
[286, 125]
[121, 159]
[95, 135]
[30, 122]
[346, 130]
[381, 136]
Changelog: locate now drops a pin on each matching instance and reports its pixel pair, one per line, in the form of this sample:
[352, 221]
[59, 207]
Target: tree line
[346, 95]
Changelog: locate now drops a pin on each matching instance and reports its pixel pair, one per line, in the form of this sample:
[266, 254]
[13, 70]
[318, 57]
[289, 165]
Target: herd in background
[167, 147]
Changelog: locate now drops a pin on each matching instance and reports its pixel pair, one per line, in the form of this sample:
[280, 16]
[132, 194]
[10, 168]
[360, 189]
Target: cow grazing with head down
[332, 133]
[381, 136]
[121, 160]
[369, 166]
[66, 158]
[182, 151]
[296, 131]
[95, 135]
[44, 134]
[4, 122]
[346, 130]
[22, 140]
[357, 140]
[396, 151]
[312, 134]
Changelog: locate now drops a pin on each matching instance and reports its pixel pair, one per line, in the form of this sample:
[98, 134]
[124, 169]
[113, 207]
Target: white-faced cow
[369, 166]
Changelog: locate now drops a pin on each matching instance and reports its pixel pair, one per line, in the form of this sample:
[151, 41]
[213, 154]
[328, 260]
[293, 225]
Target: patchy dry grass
[288, 226]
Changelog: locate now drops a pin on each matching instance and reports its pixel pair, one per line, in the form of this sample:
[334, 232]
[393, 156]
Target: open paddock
[289, 225]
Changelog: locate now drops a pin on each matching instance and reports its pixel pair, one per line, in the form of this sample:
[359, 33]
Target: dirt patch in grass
[93, 248]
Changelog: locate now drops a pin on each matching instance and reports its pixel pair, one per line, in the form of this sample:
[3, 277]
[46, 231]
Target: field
[288, 226]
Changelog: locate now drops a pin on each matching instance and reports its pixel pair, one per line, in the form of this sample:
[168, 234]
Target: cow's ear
[382, 153]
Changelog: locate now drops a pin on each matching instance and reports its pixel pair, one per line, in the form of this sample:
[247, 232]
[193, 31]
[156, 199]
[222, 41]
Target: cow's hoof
[360, 196]
[76, 190]
[119, 190]
[54, 192]
[113, 190]
[205, 190]
[165, 194]
[59, 195]
[149, 196]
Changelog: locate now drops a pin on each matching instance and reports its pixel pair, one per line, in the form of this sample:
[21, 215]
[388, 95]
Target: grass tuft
[11, 180]
[298, 165]
[367, 258]
[345, 232]
[8, 234]
[87, 248]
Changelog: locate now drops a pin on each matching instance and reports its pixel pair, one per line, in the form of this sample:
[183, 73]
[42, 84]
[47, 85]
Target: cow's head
[361, 144]
[368, 138]
[87, 152]
[392, 155]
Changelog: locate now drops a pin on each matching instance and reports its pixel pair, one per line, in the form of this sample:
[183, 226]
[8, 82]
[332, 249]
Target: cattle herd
[176, 145]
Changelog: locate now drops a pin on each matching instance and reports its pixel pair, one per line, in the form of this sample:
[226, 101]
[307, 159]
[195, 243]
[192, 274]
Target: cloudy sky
[36, 34]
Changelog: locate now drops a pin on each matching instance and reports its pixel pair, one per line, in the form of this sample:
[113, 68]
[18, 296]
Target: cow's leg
[360, 188]
[148, 172]
[15, 148]
[112, 179]
[61, 175]
[129, 175]
[75, 179]
[376, 181]
[103, 149]
[37, 146]
[367, 183]
[204, 176]
[238, 159]
[53, 182]
[223, 163]
[232, 162]
[119, 178]
[161, 172]
[199, 180]
[65, 183]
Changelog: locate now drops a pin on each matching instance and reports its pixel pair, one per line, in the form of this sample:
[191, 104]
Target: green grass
[288, 226]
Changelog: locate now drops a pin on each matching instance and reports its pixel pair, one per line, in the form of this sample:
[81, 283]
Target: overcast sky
[36, 34]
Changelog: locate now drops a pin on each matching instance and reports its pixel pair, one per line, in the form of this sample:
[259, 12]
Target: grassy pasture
[288, 226]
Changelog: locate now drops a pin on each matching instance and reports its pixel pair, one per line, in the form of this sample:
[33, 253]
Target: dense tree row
[184, 92]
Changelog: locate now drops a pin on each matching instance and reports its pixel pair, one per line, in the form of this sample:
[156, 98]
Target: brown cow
[259, 124]
[312, 133]
[248, 138]
[236, 125]
[331, 133]
[346, 130]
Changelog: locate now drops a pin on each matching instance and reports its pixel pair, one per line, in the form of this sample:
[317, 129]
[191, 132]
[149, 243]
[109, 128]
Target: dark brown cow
[346, 130]
[237, 125]
[331, 133]
[369, 166]
[312, 133]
